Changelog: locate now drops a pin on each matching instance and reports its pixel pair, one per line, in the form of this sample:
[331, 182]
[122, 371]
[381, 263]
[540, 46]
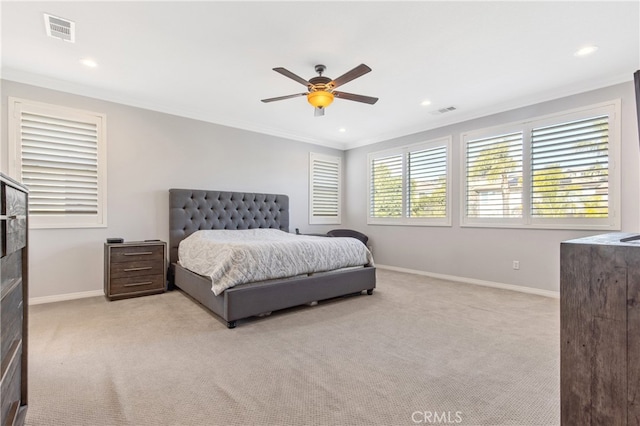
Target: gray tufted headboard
[192, 210]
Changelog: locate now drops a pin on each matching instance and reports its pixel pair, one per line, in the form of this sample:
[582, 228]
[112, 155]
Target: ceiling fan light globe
[320, 98]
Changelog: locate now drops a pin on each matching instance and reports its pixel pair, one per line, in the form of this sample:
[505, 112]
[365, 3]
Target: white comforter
[232, 257]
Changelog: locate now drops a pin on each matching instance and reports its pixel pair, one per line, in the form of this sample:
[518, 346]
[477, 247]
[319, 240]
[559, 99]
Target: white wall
[486, 254]
[148, 153]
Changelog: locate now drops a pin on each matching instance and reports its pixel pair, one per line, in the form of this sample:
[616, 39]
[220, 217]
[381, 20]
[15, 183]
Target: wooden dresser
[600, 331]
[14, 293]
[134, 269]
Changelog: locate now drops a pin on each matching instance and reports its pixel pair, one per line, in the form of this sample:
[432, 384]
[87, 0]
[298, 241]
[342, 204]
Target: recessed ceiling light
[342, 130]
[584, 51]
[425, 102]
[88, 62]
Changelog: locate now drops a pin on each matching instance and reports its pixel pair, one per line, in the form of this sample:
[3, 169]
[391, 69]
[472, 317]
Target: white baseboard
[63, 297]
[521, 289]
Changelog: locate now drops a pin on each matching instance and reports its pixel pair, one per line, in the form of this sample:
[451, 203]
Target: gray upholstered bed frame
[192, 210]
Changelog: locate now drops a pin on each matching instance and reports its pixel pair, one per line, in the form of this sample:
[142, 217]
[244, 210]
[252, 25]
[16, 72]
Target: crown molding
[110, 96]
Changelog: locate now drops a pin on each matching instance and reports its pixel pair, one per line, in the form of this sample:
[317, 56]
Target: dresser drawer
[135, 269]
[10, 272]
[16, 234]
[136, 284]
[10, 389]
[14, 224]
[137, 253]
[15, 202]
[11, 320]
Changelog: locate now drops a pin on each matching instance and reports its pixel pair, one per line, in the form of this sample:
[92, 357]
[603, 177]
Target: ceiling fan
[321, 91]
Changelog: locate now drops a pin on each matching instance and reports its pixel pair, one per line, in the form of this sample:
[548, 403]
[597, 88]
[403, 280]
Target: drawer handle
[142, 253]
[137, 284]
[138, 269]
[12, 217]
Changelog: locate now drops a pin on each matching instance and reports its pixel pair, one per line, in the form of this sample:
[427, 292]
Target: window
[558, 171]
[410, 185]
[325, 189]
[59, 154]
[494, 176]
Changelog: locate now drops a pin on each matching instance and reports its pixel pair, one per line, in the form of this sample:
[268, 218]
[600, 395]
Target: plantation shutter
[570, 167]
[386, 186]
[59, 154]
[427, 190]
[59, 165]
[494, 176]
[325, 189]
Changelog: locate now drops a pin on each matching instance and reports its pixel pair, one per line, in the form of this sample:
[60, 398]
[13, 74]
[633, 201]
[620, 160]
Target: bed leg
[370, 291]
[231, 324]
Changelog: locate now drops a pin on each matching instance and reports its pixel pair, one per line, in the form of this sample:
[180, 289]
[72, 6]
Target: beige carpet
[418, 351]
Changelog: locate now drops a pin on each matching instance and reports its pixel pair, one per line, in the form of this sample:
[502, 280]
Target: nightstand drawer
[135, 284]
[136, 253]
[134, 269]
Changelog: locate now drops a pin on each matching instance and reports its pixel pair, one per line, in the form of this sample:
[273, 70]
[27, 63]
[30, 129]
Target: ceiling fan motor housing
[319, 83]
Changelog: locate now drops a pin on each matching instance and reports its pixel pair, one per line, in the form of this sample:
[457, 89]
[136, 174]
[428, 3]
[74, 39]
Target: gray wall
[486, 254]
[148, 153]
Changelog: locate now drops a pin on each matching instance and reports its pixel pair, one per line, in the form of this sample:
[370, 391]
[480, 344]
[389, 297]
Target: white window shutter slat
[570, 169]
[494, 176]
[565, 177]
[410, 185]
[60, 157]
[68, 147]
[427, 189]
[325, 176]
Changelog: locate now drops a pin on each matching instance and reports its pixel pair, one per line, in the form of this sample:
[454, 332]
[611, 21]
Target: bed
[192, 210]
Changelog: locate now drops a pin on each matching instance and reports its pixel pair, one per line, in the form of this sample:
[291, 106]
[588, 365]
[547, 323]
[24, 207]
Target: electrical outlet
[516, 264]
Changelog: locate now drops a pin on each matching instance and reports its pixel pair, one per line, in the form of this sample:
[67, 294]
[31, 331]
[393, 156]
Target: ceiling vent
[443, 110]
[60, 28]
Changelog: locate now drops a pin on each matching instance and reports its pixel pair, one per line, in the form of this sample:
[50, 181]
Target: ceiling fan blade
[318, 112]
[358, 71]
[358, 98]
[292, 76]
[281, 98]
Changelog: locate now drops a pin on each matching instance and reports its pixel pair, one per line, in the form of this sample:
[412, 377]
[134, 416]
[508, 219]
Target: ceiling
[213, 61]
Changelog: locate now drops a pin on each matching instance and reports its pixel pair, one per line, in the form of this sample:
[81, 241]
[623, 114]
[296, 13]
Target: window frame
[404, 152]
[527, 221]
[60, 221]
[324, 220]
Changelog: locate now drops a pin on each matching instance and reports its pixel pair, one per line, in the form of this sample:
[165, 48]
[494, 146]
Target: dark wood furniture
[600, 331]
[134, 269]
[191, 210]
[14, 294]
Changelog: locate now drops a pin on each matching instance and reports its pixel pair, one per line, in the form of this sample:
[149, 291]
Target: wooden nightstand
[134, 268]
